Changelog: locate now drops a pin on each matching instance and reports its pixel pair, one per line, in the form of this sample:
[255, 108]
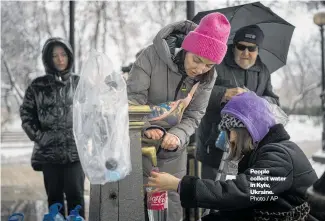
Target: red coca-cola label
[157, 200]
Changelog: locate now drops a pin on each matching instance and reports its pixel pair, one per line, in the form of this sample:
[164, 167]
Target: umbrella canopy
[277, 31]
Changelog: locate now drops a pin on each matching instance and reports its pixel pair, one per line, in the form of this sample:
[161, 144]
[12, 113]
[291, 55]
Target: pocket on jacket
[174, 165]
[35, 158]
[48, 138]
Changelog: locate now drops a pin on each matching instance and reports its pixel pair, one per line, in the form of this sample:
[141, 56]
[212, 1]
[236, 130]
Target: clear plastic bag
[101, 121]
[279, 115]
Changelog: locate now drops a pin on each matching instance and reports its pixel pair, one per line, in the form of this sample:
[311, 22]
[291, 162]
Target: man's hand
[154, 134]
[170, 142]
[233, 92]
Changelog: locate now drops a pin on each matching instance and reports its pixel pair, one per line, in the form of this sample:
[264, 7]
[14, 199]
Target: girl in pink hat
[181, 56]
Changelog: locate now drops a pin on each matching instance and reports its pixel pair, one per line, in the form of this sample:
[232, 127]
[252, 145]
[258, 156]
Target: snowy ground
[13, 126]
[304, 128]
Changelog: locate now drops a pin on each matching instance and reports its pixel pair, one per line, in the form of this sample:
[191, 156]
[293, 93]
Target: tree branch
[121, 24]
[14, 87]
[8, 107]
[47, 25]
[98, 16]
[63, 19]
[104, 14]
[301, 96]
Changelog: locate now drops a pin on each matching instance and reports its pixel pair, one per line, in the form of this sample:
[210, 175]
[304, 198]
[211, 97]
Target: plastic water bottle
[221, 141]
[54, 214]
[74, 215]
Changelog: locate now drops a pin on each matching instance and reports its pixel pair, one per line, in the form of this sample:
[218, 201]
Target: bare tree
[46, 13]
[124, 48]
[5, 116]
[105, 18]
[302, 78]
[19, 94]
[63, 5]
[99, 10]
[84, 15]
[163, 13]
[300, 97]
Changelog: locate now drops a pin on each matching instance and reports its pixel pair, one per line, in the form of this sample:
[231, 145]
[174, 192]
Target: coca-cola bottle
[157, 203]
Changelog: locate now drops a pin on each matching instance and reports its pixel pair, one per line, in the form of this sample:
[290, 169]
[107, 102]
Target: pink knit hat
[209, 38]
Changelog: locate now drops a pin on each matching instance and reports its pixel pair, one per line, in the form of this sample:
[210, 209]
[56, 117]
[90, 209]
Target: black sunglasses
[243, 47]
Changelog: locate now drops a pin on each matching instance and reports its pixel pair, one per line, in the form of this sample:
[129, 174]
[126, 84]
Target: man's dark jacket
[230, 75]
[46, 112]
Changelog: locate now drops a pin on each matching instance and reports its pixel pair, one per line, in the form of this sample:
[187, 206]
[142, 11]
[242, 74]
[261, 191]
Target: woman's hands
[154, 134]
[170, 142]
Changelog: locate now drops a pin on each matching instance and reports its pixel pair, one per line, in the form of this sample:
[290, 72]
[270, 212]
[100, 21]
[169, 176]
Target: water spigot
[151, 153]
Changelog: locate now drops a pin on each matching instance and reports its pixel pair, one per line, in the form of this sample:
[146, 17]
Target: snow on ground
[318, 167]
[304, 128]
[13, 126]
[14, 152]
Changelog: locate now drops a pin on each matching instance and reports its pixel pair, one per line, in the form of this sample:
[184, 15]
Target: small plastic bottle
[74, 215]
[221, 141]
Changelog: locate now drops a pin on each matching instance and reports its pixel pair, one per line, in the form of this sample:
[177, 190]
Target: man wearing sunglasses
[241, 70]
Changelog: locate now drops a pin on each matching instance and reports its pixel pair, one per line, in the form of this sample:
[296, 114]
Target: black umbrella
[277, 31]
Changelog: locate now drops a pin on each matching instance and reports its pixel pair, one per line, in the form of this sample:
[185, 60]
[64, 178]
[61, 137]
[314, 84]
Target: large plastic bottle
[54, 214]
[74, 215]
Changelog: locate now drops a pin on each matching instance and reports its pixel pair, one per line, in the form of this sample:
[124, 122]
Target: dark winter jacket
[230, 75]
[316, 197]
[46, 112]
[233, 198]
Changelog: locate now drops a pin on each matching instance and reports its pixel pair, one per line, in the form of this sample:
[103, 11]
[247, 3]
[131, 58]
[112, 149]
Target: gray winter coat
[230, 75]
[154, 78]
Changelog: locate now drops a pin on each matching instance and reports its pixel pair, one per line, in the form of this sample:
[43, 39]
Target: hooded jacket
[316, 197]
[157, 72]
[271, 179]
[235, 198]
[46, 111]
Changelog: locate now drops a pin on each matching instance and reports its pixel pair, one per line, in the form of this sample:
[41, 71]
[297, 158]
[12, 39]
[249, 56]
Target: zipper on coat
[57, 113]
[234, 77]
[246, 76]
